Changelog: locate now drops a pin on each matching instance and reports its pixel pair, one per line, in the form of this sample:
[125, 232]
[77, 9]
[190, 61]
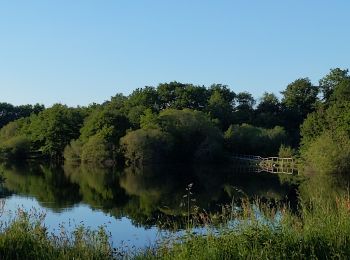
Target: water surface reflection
[134, 201]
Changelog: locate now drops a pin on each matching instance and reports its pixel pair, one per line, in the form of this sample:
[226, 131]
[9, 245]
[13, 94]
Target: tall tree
[267, 113]
[299, 99]
[9, 112]
[220, 108]
[245, 108]
[52, 129]
[331, 81]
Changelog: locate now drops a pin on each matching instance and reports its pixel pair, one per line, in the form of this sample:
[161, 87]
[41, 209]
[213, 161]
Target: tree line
[177, 122]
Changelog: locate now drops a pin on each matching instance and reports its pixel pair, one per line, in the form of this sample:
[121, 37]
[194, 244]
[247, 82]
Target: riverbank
[26, 237]
[320, 230]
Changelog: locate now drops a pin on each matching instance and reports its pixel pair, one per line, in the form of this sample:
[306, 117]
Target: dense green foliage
[146, 146]
[52, 129]
[188, 123]
[245, 139]
[47, 132]
[325, 142]
[185, 122]
[9, 113]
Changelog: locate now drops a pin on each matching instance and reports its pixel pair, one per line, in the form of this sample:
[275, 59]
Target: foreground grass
[25, 237]
[321, 232]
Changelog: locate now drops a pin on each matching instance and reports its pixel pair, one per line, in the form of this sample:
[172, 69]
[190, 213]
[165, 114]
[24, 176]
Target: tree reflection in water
[151, 195]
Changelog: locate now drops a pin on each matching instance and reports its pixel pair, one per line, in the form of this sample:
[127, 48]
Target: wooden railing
[270, 164]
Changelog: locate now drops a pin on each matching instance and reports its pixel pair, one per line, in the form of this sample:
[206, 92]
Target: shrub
[195, 135]
[95, 150]
[329, 153]
[248, 139]
[146, 146]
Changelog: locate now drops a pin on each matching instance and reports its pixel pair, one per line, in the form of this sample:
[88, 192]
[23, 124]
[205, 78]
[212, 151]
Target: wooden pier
[271, 164]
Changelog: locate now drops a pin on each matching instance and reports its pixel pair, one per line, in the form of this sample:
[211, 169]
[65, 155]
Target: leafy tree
[335, 119]
[244, 110]
[140, 100]
[225, 92]
[190, 96]
[313, 126]
[341, 92]
[167, 93]
[134, 115]
[184, 135]
[145, 146]
[300, 96]
[9, 113]
[268, 111]
[329, 153]
[299, 99]
[338, 118]
[105, 117]
[248, 139]
[146, 97]
[191, 130]
[245, 100]
[96, 150]
[149, 120]
[118, 101]
[331, 81]
[13, 129]
[52, 129]
[179, 96]
[220, 108]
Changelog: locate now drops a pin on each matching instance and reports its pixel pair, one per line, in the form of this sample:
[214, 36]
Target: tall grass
[321, 231]
[26, 237]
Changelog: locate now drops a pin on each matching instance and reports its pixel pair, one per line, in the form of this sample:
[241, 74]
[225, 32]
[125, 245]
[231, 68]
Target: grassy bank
[26, 237]
[322, 231]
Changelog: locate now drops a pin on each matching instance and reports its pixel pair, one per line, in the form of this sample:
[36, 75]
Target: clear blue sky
[79, 52]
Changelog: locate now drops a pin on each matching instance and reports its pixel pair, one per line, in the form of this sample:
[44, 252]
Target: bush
[248, 139]
[95, 150]
[146, 146]
[195, 135]
[329, 153]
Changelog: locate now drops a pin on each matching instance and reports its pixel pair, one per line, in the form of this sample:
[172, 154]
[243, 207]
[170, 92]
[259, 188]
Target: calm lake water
[135, 205]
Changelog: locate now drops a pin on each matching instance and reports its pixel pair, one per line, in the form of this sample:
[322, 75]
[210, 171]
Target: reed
[321, 231]
[26, 237]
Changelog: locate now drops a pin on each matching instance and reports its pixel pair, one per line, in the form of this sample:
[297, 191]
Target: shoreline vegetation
[320, 231]
[177, 122]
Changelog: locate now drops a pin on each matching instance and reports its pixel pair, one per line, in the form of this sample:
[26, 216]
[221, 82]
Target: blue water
[129, 203]
[122, 231]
